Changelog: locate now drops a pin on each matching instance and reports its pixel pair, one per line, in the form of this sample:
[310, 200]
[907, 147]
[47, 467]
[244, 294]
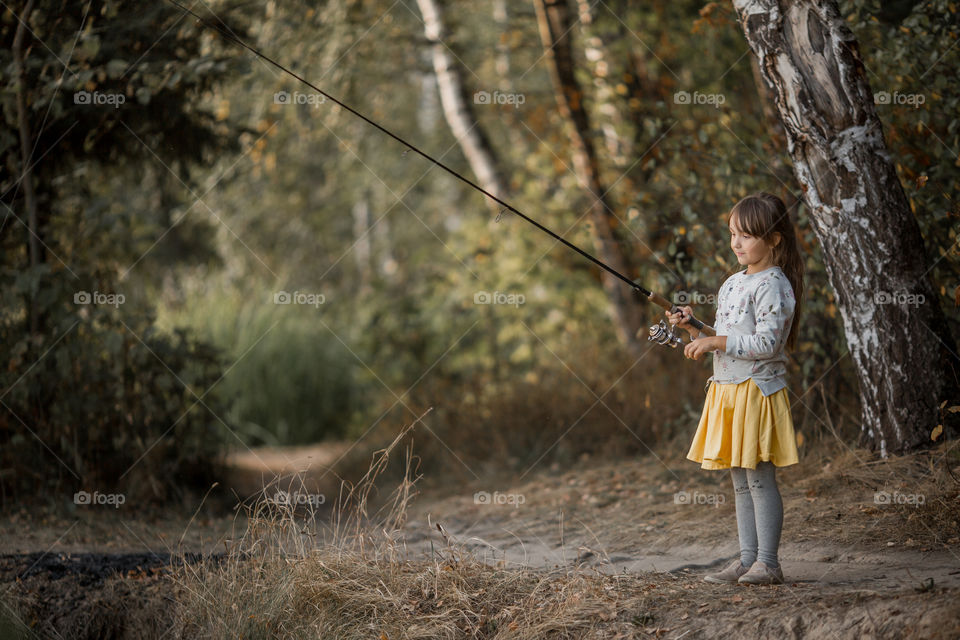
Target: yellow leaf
[937, 430]
[223, 110]
[954, 408]
[799, 439]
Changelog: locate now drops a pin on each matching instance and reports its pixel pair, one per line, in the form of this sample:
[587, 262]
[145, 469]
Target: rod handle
[702, 327]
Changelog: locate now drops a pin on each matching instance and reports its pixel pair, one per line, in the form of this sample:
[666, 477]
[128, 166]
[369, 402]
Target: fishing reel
[662, 334]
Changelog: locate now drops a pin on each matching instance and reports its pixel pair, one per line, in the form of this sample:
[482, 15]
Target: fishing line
[507, 206]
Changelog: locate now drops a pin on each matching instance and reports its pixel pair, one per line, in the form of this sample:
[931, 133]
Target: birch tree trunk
[554, 22]
[874, 254]
[457, 108]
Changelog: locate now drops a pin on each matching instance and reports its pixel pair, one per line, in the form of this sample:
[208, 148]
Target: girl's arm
[718, 342]
[773, 311]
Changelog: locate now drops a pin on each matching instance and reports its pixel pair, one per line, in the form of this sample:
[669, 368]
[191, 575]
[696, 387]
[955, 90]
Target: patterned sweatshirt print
[755, 312]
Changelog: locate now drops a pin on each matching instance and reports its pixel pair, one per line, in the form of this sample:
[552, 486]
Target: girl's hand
[682, 320]
[696, 349]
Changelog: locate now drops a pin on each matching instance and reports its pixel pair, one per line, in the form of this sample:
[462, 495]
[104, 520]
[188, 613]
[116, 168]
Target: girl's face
[752, 252]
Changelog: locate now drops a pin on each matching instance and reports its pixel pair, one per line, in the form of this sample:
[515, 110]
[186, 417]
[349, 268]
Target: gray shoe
[760, 573]
[728, 575]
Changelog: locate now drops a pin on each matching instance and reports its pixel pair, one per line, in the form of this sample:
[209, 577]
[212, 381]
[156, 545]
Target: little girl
[746, 425]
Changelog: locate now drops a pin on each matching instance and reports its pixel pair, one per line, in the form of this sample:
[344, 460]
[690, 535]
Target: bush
[288, 379]
[101, 402]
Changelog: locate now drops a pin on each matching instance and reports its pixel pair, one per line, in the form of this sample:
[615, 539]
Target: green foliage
[110, 404]
[287, 380]
[93, 397]
[912, 63]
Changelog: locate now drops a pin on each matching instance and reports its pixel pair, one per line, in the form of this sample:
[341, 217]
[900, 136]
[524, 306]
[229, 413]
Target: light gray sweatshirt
[755, 312]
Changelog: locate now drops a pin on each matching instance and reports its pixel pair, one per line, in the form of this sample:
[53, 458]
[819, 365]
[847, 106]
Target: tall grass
[288, 380]
[288, 575]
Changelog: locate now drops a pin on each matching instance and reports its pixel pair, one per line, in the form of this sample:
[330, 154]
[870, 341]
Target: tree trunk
[26, 149]
[502, 21]
[457, 107]
[874, 254]
[362, 245]
[778, 137]
[554, 22]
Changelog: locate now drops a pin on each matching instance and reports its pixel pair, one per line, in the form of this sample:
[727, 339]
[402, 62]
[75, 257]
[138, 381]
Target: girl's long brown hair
[761, 215]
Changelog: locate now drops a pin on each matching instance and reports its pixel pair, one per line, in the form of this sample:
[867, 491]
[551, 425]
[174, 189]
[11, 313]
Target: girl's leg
[746, 521]
[769, 511]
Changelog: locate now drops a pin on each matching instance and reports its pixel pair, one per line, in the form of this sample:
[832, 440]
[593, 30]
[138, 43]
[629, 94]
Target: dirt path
[639, 516]
[515, 542]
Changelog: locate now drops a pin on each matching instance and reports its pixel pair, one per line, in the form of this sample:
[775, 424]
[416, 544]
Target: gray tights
[759, 513]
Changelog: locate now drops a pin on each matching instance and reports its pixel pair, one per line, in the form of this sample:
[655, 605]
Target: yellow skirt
[740, 427]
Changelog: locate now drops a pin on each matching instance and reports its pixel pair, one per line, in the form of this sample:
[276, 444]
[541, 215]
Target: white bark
[456, 108]
[871, 241]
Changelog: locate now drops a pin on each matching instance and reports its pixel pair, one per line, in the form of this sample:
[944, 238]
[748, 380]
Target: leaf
[937, 430]
[88, 48]
[143, 95]
[799, 439]
[116, 68]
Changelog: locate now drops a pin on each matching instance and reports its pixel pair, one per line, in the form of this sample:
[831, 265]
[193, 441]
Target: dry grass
[292, 575]
[609, 409]
[923, 488]
[277, 581]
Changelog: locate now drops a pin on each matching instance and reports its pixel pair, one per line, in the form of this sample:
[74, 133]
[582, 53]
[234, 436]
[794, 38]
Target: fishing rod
[659, 333]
